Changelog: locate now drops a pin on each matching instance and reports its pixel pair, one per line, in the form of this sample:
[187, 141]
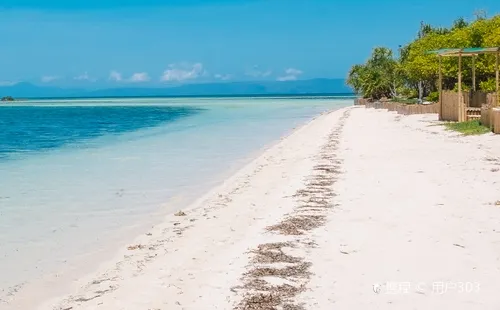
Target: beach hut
[476, 105]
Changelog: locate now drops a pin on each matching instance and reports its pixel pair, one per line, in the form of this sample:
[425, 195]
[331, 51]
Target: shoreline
[356, 208]
[216, 197]
[108, 257]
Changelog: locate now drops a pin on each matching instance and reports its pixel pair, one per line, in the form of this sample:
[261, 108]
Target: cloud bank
[85, 77]
[115, 76]
[182, 72]
[139, 77]
[291, 74]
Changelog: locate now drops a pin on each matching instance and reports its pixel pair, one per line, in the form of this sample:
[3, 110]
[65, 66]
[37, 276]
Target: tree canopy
[7, 98]
[415, 72]
[379, 77]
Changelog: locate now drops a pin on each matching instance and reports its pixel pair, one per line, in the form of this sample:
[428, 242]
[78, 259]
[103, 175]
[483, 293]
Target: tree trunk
[394, 91]
[420, 91]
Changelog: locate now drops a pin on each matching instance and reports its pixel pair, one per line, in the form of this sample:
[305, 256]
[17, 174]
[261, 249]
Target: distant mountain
[314, 86]
[28, 90]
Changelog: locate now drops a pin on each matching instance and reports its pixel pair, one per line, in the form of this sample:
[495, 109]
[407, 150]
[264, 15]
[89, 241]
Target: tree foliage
[379, 77]
[7, 98]
[416, 71]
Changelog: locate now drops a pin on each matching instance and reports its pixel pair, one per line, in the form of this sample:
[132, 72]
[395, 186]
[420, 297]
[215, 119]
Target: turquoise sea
[80, 177]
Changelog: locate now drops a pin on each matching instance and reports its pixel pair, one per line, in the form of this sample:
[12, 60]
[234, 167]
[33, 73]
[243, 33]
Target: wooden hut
[463, 106]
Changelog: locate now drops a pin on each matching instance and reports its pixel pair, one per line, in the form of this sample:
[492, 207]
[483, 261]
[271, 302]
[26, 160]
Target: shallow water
[77, 177]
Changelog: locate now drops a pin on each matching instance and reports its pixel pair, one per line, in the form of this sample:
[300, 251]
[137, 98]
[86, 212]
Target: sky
[115, 43]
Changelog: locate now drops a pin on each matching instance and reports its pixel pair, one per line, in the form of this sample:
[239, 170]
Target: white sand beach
[359, 209]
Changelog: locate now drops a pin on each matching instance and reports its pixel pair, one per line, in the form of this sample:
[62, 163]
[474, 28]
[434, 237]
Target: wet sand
[358, 209]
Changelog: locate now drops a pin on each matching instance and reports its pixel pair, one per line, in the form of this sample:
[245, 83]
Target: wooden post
[440, 87]
[495, 116]
[498, 78]
[474, 73]
[460, 112]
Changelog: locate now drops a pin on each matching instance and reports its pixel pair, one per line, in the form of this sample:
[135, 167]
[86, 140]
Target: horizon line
[277, 95]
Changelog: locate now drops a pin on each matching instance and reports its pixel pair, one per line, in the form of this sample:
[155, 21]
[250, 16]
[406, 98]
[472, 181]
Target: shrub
[407, 92]
[488, 86]
[7, 98]
[405, 100]
[433, 96]
[464, 87]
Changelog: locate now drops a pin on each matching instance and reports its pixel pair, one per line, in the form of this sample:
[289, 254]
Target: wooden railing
[451, 112]
[491, 100]
[473, 104]
[361, 101]
[475, 99]
[488, 118]
[449, 109]
[405, 109]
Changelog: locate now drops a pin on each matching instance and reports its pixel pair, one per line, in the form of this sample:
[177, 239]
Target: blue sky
[103, 43]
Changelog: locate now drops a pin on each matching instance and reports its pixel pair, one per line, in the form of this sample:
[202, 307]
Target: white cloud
[293, 71]
[223, 77]
[139, 77]
[135, 78]
[291, 74]
[182, 72]
[115, 76]
[85, 77]
[258, 73]
[7, 83]
[49, 78]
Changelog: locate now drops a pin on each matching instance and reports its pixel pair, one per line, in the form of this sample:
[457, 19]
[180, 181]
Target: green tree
[7, 98]
[417, 71]
[459, 23]
[379, 77]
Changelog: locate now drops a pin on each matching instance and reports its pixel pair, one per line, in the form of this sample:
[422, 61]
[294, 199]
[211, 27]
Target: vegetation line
[414, 73]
